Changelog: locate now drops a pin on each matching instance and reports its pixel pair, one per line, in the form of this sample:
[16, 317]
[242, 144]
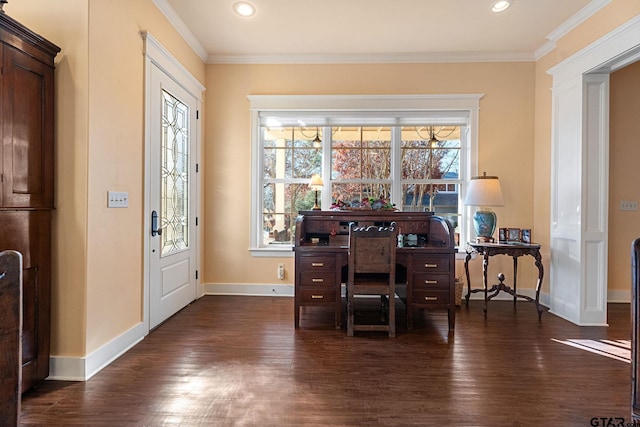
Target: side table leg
[538, 258]
[466, 270]
[515, 278]
[485, 267]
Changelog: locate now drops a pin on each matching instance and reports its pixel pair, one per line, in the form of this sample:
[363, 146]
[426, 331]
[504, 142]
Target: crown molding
[585, 13]
[165, 8]
[571, 23]
[547, 47]
[416, 58]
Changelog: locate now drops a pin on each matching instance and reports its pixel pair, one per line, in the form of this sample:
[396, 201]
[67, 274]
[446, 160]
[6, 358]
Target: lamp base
[484, 223]
[316, 207]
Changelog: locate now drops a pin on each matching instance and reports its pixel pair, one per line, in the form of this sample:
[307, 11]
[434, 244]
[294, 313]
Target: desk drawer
[318, 278]
[430, 297]
[430, 263]
[317, 295]
[318, 263]
[431, 281]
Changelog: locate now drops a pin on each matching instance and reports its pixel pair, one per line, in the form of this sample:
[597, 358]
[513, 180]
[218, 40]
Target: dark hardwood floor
[237, 361]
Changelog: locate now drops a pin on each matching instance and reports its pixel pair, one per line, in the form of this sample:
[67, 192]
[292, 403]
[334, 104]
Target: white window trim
[357, 104]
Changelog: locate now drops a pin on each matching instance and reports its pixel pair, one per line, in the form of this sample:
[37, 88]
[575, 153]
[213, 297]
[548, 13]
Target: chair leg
[350, 314]
[392, 316]
[384, 308]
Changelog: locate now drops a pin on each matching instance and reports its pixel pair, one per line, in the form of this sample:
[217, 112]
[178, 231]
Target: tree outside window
[362, 169]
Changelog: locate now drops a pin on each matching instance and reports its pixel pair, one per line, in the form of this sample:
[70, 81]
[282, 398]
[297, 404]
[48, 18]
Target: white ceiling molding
[181, 28]
[587, 12]
[547, 47]
[416, 58]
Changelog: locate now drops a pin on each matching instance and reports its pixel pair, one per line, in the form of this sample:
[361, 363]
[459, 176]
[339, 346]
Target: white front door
[172, 199]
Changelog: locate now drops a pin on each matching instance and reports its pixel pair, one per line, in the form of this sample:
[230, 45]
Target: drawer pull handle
[431, 266]
[431, 298]
[317, 296]
[430, 282]
[317, 280]
[317, 264]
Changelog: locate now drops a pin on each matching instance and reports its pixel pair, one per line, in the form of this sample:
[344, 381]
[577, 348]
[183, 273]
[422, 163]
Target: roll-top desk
[425, 270]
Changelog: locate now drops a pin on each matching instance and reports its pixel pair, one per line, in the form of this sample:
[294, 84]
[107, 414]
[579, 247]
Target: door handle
[155, 231]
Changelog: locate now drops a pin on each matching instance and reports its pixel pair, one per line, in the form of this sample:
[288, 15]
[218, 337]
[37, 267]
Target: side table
[514, 250]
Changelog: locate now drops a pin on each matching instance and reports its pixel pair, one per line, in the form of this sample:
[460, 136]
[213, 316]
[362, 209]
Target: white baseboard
[248, 289]
[619, 296]
[82, 368]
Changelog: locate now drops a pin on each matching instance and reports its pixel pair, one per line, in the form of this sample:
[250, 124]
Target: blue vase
[484, 223]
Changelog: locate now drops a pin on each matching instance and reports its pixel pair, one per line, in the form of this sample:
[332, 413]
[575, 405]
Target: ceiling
[352, 31]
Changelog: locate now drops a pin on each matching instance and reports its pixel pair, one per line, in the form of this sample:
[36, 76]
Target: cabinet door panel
[27, 131]
[29, 232]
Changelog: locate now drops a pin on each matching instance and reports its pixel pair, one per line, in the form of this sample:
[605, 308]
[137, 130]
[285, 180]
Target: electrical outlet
[281, 271]
[628, 205]
[117, 199]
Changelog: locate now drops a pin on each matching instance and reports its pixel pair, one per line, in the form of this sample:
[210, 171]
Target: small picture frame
[502, 234]
[525, 235]
[513, 234]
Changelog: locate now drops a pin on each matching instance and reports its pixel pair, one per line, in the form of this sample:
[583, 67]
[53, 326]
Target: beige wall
[98, 283]
[505, 141]
[624, 176]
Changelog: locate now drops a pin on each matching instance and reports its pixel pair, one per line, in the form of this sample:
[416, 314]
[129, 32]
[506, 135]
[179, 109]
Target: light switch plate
[117, 199]
[628, 205]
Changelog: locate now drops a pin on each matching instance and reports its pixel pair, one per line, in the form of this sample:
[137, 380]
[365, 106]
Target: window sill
[286, 252]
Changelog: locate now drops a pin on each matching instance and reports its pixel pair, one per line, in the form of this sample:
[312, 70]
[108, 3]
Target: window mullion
[326, 197]
[396, 166]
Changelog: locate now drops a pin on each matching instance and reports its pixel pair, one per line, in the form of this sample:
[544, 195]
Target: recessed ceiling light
[244, 8]
[501, 5]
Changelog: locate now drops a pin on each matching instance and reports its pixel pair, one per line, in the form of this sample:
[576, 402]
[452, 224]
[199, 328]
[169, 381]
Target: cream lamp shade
[484, 191]
[316, 184]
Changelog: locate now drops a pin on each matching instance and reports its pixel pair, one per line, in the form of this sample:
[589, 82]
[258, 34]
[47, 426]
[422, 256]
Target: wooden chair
[372, 270]
[11, 334]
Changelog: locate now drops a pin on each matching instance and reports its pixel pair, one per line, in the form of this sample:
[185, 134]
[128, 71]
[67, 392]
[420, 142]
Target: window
[415, 152]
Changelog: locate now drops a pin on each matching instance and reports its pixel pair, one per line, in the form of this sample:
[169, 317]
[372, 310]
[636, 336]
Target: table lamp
[316, 184]
[484, 191]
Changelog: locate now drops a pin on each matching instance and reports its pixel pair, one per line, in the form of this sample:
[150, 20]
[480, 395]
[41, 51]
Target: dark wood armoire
[26, 181]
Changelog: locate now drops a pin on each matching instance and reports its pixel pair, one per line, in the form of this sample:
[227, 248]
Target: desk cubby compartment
[431, 281]
[431, 263]
[430, 297]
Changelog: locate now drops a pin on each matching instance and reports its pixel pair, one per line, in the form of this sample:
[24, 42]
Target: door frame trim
[159, 56]
[579, 248]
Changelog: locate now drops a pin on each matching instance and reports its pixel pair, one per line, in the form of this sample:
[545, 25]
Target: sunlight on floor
[615, 349]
